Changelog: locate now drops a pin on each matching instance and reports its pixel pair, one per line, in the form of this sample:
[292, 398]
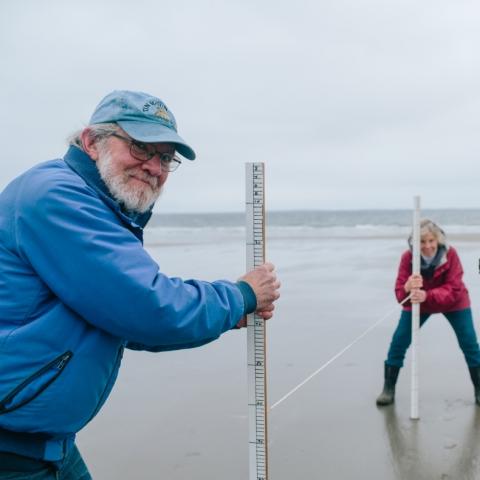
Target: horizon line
[297, 210]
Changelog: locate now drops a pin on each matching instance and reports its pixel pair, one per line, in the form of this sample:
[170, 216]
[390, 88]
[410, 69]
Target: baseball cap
[144, 117]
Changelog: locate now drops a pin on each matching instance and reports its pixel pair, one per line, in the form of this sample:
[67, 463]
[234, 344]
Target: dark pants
[462, 324]
[16, 467]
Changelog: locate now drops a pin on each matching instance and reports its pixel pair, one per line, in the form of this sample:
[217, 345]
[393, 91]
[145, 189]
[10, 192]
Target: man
[77, 286]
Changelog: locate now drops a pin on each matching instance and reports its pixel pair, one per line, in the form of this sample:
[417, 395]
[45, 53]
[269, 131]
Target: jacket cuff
[249, 297]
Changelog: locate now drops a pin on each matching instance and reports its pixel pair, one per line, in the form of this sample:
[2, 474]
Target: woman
[439, 289]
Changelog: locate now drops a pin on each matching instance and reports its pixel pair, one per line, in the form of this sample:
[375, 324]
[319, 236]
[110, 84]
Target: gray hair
[429, 226]
[97, 132]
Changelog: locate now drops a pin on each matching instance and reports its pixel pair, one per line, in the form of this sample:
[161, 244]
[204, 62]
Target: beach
[183, 415]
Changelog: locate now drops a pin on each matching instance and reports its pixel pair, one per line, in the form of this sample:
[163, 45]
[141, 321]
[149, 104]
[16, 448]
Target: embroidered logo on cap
[158, 109]
[162, 113]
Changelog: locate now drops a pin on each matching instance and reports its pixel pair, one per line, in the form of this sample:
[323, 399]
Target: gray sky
[351, 103]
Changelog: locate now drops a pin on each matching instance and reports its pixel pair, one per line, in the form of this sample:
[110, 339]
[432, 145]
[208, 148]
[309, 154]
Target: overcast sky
[351, 103]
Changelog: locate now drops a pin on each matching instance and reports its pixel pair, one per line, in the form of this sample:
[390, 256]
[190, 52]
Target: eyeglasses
[144, 152]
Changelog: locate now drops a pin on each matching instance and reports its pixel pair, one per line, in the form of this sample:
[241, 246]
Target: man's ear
[89, 144]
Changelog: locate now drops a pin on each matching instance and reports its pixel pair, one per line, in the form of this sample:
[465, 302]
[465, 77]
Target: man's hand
[264, 283]
[414, 281]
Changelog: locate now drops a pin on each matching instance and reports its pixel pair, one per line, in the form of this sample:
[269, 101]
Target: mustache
[146, 177]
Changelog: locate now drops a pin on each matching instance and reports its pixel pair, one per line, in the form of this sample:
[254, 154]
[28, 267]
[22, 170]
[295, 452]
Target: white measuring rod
[414, 415]
[256, 356]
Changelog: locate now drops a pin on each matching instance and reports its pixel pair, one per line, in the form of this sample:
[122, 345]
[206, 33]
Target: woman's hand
[418, 296]
[413, 282]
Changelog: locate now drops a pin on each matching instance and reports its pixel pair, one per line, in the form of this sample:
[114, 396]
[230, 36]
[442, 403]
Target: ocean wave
[198, 234]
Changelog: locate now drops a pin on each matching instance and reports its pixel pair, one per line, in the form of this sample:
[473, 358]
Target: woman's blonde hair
[429, 226]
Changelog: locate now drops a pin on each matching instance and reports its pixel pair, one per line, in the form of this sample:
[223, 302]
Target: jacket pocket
[35, 384]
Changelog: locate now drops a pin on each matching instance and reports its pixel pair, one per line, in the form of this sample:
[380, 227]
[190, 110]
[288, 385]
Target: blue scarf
[427, 269]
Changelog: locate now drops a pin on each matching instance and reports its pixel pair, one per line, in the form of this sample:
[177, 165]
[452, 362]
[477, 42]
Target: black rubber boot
[475, 376]
[387, 397]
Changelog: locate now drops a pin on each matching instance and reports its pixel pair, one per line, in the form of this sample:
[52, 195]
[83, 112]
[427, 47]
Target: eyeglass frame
[169, 165]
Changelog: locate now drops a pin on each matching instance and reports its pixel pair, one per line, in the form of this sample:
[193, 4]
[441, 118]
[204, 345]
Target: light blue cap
[144, 117]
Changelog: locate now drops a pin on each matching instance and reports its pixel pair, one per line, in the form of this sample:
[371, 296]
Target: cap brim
[156, 133]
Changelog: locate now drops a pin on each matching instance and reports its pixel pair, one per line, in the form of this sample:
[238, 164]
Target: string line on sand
[341, 352]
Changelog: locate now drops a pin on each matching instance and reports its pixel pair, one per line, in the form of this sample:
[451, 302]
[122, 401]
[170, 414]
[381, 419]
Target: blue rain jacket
[76, 287]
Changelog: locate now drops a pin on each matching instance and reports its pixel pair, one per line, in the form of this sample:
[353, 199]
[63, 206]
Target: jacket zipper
[59, 363]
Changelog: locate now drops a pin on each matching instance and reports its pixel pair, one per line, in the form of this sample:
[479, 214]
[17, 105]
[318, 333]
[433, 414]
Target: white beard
[135, 198]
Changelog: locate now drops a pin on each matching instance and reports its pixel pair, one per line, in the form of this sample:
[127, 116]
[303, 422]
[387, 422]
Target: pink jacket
[446, 291]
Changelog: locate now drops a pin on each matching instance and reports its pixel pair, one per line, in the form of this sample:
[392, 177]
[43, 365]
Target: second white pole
[414, 413]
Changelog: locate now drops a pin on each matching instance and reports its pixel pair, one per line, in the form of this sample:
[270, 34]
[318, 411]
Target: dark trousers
[462, 324]
[17, 467]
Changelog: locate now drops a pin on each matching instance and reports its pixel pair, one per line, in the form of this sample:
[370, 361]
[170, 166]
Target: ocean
[325, 222]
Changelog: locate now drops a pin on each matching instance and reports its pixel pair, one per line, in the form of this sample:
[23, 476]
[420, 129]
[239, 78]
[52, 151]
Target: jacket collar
[84, 166]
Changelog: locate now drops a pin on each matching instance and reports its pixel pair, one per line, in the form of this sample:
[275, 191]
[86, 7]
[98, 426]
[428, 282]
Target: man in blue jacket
[77, 286]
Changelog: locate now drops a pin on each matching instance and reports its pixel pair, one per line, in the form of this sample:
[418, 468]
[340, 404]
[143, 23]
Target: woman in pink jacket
[439, 289]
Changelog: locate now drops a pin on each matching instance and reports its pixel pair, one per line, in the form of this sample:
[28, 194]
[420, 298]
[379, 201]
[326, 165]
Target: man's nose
[153, 167]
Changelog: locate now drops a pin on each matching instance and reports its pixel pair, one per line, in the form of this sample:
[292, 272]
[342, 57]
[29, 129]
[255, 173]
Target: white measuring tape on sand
[341, 352]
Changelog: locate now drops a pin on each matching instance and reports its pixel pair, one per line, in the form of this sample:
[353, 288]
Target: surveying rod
[414, 415]
[256, 356]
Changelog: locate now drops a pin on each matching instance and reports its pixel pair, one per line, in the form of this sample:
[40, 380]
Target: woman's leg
[400, 342]
[462, 324]
[401, 338]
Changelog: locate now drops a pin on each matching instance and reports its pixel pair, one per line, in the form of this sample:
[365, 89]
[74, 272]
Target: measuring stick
[257, 378]
[414, 415]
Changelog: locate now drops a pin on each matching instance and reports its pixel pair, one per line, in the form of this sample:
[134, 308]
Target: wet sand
[182, 415]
